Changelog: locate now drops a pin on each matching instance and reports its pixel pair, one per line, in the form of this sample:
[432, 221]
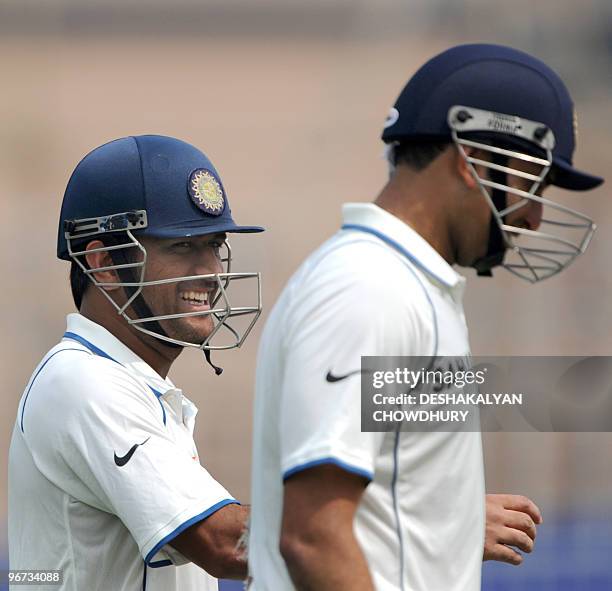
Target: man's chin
[191, 330]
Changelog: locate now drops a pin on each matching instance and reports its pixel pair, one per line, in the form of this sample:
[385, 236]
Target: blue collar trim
[397, 246]
[79, 339]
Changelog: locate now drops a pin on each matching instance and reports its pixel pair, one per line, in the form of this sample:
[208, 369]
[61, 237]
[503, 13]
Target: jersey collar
[398, 234]
[110, 346]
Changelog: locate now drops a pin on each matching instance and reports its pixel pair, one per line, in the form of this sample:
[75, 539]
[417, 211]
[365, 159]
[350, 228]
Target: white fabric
[70, 506]
[357, 295]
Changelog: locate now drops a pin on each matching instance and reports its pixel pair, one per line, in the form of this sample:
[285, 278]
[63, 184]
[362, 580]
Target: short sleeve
[343, 310]
[110, 448]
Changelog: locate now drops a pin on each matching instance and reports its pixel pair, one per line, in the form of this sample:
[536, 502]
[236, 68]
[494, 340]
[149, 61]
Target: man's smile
[195, 297]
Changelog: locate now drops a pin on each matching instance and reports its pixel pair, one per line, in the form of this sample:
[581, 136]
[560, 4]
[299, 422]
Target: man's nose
[207, 262]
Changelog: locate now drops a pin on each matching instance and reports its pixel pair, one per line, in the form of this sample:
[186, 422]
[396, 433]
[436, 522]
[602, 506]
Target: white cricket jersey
[375, 288]
[104, 472]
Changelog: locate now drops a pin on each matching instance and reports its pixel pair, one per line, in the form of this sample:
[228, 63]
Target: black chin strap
[218, 370]
[140, 306]
[142, 309]
[496, 248]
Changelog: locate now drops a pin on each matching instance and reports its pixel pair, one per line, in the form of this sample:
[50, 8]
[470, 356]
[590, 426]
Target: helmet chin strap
[496, 247]
[143, 310]
[218, 370]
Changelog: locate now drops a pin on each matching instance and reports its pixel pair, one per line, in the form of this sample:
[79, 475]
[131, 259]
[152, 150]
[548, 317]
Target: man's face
[183, 257]
[528, 215]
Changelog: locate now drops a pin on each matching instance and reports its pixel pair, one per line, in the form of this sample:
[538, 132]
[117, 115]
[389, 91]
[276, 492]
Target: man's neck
[151, 350]
[414, 199]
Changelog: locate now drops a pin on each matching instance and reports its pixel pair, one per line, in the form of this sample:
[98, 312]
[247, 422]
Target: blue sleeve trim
[330, 460]
[181, 528]
[34, 379]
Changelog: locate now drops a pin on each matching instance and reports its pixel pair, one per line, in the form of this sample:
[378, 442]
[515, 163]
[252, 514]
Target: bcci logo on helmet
[206, 191]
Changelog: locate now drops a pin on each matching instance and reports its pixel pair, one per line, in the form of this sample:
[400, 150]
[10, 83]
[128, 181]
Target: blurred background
[288, 100]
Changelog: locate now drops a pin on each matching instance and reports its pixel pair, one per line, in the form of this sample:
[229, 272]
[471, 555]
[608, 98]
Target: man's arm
[511, 521]
[213, 544]
[317, 539]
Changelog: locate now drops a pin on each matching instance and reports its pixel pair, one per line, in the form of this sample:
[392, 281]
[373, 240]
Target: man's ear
[100, 259]
[463, 168]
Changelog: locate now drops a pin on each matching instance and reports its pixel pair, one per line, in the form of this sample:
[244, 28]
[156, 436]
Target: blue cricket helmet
[174, 182]
[493, 78]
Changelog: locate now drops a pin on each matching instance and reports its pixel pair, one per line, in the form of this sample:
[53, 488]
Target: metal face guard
[221, 310]
[533, 255]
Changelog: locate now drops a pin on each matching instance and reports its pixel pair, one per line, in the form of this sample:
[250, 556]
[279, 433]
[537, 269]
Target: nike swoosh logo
[330, 377]
[123, 460]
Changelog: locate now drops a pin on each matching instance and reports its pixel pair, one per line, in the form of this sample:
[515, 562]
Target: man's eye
[182, 245]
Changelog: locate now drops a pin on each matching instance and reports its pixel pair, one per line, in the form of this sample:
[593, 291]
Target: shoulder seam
[42, 366]
[366, 239]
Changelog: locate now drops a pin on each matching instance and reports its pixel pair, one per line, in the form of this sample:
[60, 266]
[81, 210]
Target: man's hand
[511, 521]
